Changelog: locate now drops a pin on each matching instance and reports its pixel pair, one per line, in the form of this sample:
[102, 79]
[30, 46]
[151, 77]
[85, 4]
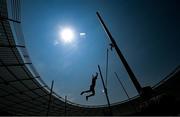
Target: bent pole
[127, 67]
[105, 90]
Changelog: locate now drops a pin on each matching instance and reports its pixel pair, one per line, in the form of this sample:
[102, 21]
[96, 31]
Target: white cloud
[82, 35]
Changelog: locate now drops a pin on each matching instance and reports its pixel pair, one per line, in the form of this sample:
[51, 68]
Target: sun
[67, 35]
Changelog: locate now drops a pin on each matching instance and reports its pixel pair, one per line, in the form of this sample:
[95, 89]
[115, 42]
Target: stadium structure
[23, 92]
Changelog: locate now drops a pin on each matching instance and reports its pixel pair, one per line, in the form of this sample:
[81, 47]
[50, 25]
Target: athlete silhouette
[94, 78]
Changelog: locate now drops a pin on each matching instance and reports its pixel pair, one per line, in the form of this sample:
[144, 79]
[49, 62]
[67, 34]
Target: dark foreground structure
[22, 91]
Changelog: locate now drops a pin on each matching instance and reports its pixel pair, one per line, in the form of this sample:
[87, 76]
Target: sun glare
[67, 35]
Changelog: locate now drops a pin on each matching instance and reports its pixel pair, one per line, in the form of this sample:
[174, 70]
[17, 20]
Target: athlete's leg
[93, 93]
[85, 92]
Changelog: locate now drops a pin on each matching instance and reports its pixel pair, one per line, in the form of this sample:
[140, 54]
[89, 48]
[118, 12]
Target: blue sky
[145, 31]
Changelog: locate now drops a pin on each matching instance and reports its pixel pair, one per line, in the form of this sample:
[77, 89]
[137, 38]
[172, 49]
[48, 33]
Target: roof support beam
[12, 46]
[20, 92]
[8, 19]
[19, 64]
[7, 82]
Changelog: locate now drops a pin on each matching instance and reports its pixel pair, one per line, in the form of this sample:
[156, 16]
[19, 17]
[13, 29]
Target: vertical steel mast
[128, 69]
[105, 91]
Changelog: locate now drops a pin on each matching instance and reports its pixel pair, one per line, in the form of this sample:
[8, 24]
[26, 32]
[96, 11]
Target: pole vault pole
[50, 95]
[127, 67]
[105, 90]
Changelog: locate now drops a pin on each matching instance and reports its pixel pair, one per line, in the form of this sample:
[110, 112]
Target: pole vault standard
[50, 95]
[122, 85]
[125, 91]
[105, 90]
[107, 66]
[127, 67]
